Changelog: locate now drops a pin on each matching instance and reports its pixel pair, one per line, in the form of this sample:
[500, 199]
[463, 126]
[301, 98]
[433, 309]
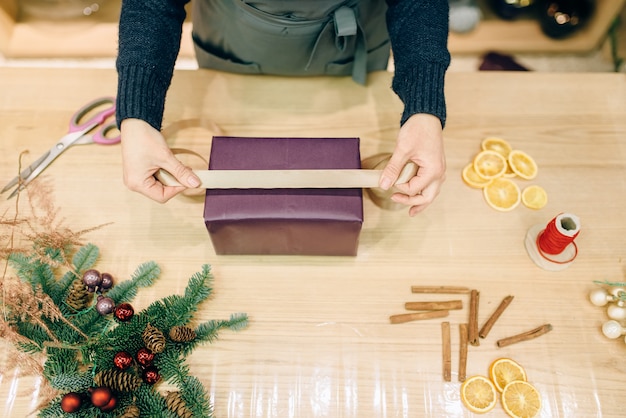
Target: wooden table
[319, 342]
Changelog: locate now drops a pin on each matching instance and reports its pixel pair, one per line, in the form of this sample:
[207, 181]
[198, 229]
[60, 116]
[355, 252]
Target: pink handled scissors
[77, 135]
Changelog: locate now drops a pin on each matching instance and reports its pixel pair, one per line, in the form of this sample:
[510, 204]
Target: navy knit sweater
[149, 41]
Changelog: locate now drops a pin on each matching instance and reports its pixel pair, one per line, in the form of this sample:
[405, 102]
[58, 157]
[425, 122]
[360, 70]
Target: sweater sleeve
[149, 41]
[418, 30]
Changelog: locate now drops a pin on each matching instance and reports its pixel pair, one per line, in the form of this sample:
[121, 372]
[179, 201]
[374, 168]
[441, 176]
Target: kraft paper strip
[287, 179]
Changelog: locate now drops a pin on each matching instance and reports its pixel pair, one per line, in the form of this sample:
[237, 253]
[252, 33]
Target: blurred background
[485, 35]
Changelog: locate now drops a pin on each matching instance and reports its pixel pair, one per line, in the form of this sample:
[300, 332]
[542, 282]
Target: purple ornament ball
[105, 305]
[107, 281]
[92, 279]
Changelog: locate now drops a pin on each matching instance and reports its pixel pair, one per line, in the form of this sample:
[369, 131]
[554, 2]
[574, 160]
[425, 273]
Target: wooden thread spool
[380, 197]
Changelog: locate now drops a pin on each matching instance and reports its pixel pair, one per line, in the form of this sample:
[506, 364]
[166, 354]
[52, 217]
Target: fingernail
[193, 181]
[385, 183]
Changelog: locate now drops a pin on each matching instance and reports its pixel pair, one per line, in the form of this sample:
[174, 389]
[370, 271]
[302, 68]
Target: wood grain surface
[319, 342]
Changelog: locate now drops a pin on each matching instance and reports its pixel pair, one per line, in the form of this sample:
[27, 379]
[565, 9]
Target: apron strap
[346, 25]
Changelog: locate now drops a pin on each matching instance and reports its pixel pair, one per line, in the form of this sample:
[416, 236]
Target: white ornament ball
[599, 297]
[616, 311]
[612, 329]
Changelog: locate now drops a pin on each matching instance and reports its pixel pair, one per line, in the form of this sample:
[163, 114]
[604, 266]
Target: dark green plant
[77, 345]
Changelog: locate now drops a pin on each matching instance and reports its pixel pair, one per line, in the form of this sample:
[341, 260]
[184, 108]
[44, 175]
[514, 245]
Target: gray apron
[292, 37]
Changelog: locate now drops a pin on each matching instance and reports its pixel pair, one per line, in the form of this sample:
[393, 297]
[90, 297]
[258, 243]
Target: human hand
[144, 152]
[420, 140]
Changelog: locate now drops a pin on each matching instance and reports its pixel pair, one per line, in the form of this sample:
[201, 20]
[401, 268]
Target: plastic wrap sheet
[315, 359]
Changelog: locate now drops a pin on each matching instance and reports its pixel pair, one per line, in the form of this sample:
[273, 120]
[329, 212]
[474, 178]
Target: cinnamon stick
[525, 336]
[473, 318]
[434, 306]
[446, 351]
[484, 331]
[439, 289]
[402, 318]
[462, 352]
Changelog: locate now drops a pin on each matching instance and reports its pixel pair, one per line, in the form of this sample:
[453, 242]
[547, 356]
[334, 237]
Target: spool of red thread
[552, 246]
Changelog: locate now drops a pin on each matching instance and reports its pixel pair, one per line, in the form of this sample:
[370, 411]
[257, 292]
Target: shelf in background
[95, 36]
[525, 35]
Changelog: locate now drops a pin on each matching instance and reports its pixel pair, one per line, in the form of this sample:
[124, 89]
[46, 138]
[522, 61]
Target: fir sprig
[79, 345]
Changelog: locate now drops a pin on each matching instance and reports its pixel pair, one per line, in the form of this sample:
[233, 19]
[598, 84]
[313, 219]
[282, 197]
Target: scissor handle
[100, 137]
[76, 123]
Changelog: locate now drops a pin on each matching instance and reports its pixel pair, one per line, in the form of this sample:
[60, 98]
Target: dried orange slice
[472, 179]
[499, 145]
[522, 164]
[504, 371]
[521, 400]
[478, 394]
[489, 164]
[534, 197]
[502, 194]
[509, 172]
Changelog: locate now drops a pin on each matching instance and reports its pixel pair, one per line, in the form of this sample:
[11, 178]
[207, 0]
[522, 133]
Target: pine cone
[154, 339]
[131, 411]
[78, 297]
[176, 404]
[182, 334]
[117, 380]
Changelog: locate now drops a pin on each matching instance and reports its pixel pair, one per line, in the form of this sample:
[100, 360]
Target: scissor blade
[43, 162]
[25, 172]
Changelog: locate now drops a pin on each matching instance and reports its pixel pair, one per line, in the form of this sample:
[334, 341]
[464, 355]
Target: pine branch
[28, 347]
[53, 410]
[91, 323]
[85, 257]
[144, 276]
[60, 290]
[19, 262]
[171, 367]
[72, 382]
[180, 309]
[124, 337]
[196, 397]
[199, 287]
[207, 332]
[152, 404]
[60, 361]
[238, 321]
[31, 270]
[35, 332]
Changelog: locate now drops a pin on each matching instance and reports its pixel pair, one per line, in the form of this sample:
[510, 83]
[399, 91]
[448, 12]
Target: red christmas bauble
[144, 357]
[151, 375]
[122, 360]
[110, 406]
[101, 396]
[71, 402]
[124, 311]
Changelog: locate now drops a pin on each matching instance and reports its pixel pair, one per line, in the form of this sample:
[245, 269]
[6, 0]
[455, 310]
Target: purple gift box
[284, 221]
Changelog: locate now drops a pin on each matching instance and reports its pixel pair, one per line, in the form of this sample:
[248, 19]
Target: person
[291, 38]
